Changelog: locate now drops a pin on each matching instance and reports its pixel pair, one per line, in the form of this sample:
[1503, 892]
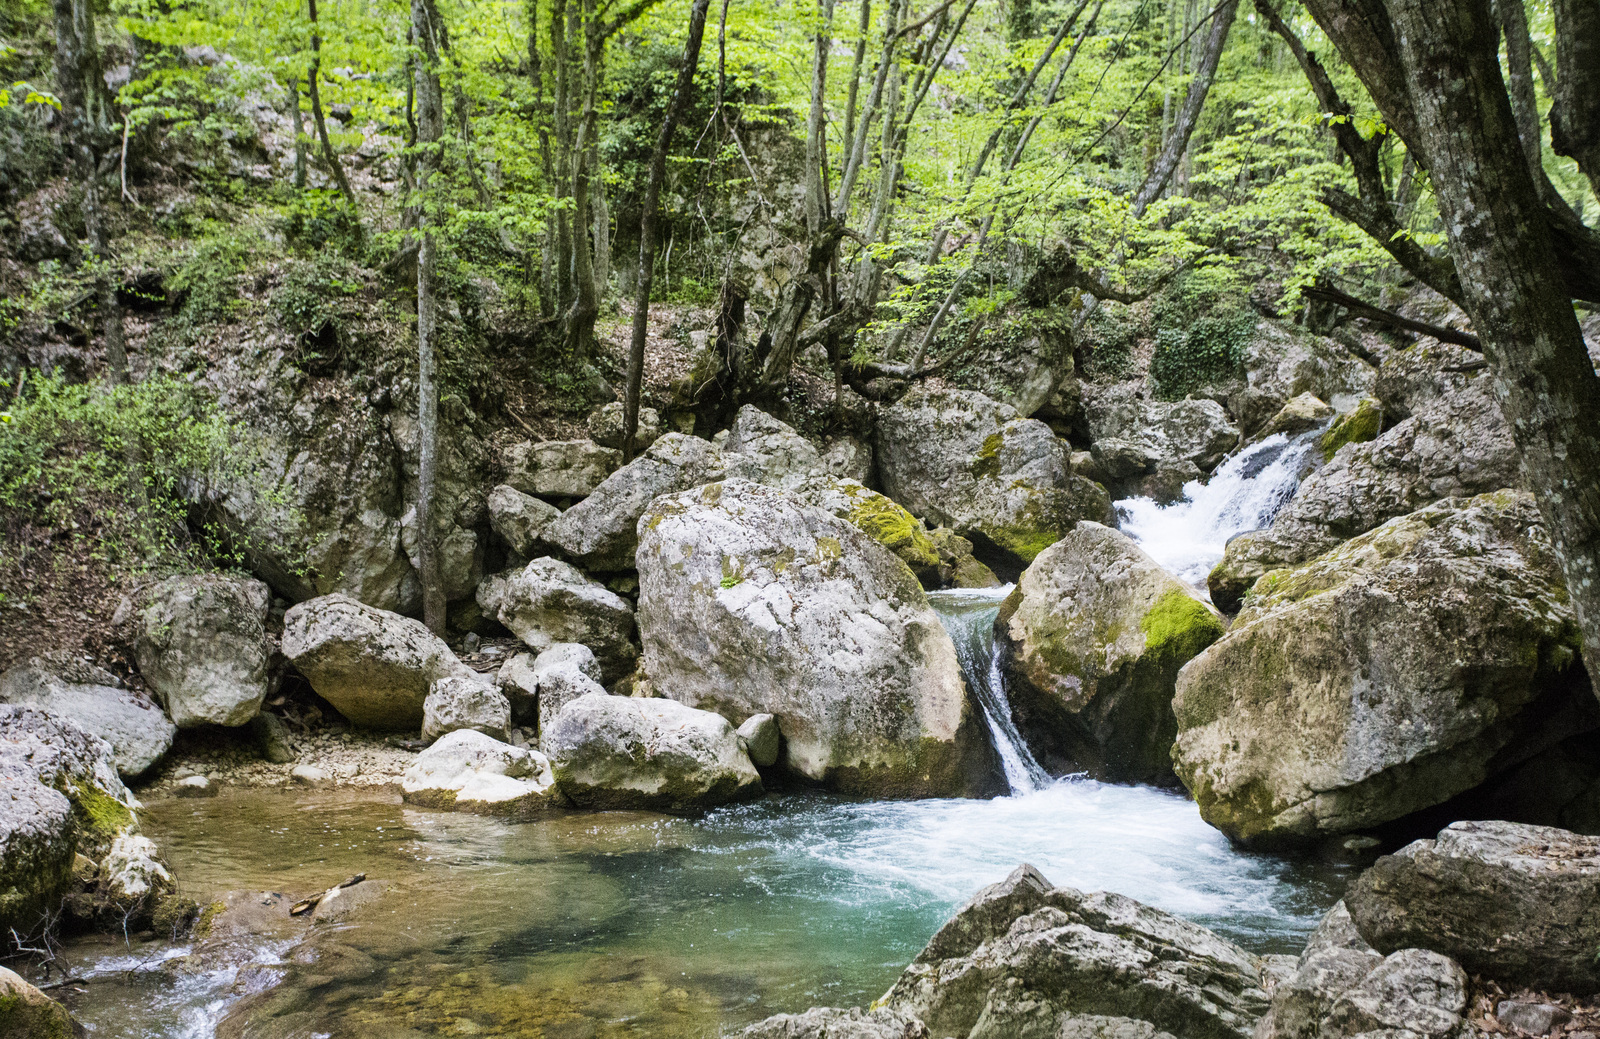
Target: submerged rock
[751, 602]
[202, 646]
[1516, 903]
[467, 771]
[601, 532]
[1387, 676]
[1092, 639]
[375, 667]
[624, 752]
[138, 731]
[961, 460]
[549, 601]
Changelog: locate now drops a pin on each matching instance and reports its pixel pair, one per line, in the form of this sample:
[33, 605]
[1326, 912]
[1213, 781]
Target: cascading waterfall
[1189, 536]
[969, 615]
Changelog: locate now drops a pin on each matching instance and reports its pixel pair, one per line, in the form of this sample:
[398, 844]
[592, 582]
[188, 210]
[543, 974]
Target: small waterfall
[968, 615]
[1188, 537]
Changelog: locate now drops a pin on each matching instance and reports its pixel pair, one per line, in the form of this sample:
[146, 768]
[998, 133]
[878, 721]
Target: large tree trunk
[427, 32]
[1443, 59]
[1575, 115]
[647, 224]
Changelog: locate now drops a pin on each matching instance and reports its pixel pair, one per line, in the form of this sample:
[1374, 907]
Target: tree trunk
[647, 224]
[1178, 143]
[299, 133]
[328, 155]
[1575, 115]
[430, 130]
[1505, 253]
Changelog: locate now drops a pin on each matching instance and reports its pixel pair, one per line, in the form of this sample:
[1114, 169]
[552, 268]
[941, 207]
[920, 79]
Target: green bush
[208, 279]
[1208, 351]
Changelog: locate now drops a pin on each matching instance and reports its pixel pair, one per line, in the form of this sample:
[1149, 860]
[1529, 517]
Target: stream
[633, 924]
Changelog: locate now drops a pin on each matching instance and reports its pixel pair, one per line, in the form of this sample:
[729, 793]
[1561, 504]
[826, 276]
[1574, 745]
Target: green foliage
[207, 281]
[318, 219]
[1208, 351]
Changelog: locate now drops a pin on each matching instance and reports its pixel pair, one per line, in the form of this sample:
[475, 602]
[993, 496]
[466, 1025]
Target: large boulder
[1025, 958]
[549, 601]
[1151, 448]
[467, 771]
[1455, 446]
[1092, 639]
[459, 702]
[1516, 903]
[770, 451]
[938, 557]
[62, 796]
[520, 519]
[606, 426]
[1387, 676]
[601, 532]
[626, 752]
[559, 468]
[137, 730]
[751, 602]
[838, 1023]
[375, 667]
[1335, 959]
[1281, 362]
[961, 460]
[27, 1013]
[202, 645]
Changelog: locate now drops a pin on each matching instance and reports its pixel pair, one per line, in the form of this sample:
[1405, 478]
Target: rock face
[458, 702]
[1516, 903]
[1093, 638]
[27, 1013]
[835, 1023]
[62, 796]
[137, 730]
[1454, 447]
[467, 771]
[1025, 958]
[961, 460]
[1389, 675]
[375, 667]
[559, 468]
[601, 532]
[623, 752]
[752, 603]
[1283, 362]
[549, 601]
[521, 519]
[202, 646]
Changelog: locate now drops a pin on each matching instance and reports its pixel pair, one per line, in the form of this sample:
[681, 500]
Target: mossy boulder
[27, 1013]
[1387, 676]
[752, 602]
[939, 557]
[1092, 641]
[1358, 426]
[963, 461]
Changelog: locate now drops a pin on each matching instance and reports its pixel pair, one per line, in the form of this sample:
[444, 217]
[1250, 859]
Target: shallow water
[636, 924]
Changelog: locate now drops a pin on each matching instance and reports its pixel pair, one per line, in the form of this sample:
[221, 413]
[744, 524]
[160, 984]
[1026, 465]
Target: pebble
[196, 786]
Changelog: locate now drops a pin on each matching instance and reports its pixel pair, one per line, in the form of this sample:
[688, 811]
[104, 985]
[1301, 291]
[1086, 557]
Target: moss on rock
[1356, 427]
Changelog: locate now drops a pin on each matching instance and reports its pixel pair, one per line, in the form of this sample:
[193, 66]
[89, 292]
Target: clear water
[1188, 536]
[968, 615]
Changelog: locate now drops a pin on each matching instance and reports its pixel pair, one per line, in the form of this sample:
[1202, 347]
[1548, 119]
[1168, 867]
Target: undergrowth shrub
[1210, 350]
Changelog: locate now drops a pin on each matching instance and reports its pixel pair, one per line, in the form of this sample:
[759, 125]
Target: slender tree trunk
[299, 133]
[647, 224]
[1188, 115]
[430, 131]
[328, 155]
[1504, 249]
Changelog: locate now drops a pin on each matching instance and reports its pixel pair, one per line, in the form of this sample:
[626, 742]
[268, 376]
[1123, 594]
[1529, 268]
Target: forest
[693, 517]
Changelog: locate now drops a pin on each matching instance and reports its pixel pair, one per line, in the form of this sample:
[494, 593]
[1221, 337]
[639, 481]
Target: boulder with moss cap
[938, 557]
[1387, 676]
[27, 1013]
[752, 602]
[960, 460]
[1092, 640]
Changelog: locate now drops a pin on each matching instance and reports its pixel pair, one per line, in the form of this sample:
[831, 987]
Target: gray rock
[772, 452]
[1412, 379]
[847, 458]
[538, 687]
[1281, 362]
[273, 739]
[62, 796]
[1387, 676]
[751, 602]
[459, 551]
[960, 460]
[195, 786]
[467, 771]
[132, 874]
[549, 601]
[624, 752]
[1022, 949]
[559, 468]
[375, 667]
[1454, 447]
[606, 422]
[201, 643]
[1307, 411]
[1516, 903]
[1163, 434]
[761, 739]
[137, 730]
[834, 1023]
[601, 532]
[311, 776]
[458, 702]
[1531, 1018]
[521, 519]
[1092, 639]
[1335, 959]
[1413, 991]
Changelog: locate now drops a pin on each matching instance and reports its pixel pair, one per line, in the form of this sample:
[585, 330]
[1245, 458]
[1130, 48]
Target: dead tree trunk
[647, 224]
[430, 132]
